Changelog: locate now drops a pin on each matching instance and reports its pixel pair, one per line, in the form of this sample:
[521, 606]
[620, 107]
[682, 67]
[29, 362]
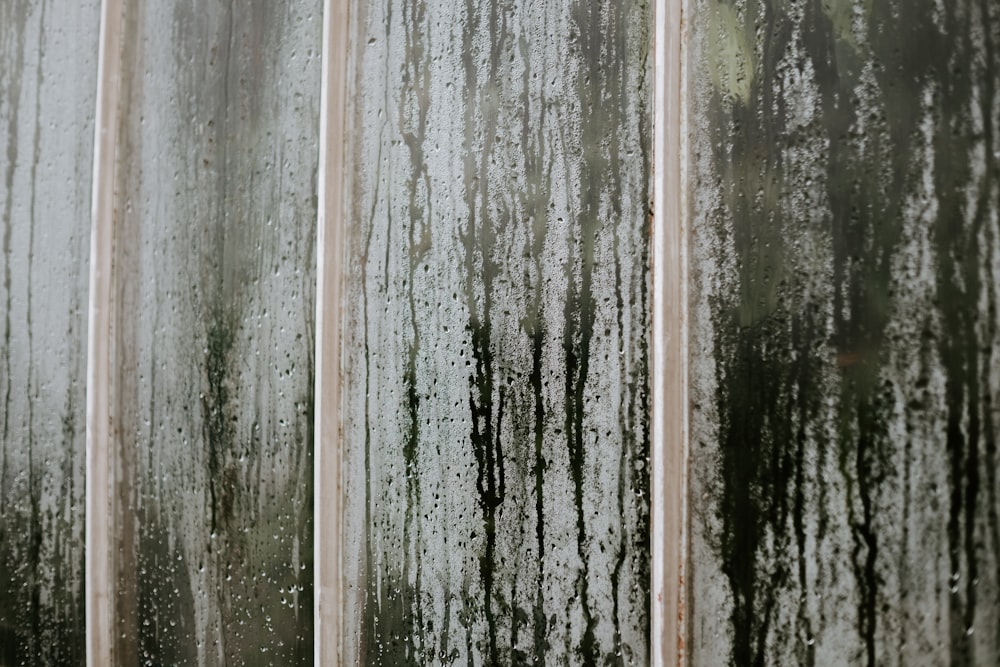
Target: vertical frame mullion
[99, 548]
[669, 362]
[329, 268]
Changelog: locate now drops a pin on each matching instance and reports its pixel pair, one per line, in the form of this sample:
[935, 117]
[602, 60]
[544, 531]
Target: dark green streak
[490, 482]
[773, 348]
[535, 199]
[990, 83]
[529, 142]
[486, 399]
[218, 429]
[959, 292]
[416, 94]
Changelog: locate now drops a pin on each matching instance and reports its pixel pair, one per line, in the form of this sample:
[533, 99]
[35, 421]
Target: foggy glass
[496, 382]
[845, 357]
[48, 69]
[215, 283]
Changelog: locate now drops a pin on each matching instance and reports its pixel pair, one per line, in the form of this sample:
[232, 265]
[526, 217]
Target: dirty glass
[845, 355]
[496, 411]
[215, 282]
[48, 70]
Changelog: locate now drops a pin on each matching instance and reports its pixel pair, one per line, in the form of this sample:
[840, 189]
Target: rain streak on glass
[48, 70]
[214, 338]
[845, 187]
[496, 381]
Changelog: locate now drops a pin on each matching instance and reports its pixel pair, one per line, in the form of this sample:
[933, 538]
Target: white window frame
[669, 348]
[99, 547]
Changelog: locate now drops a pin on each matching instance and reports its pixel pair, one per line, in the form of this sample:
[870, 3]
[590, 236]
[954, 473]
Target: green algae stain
[810, 366]
[218, 424]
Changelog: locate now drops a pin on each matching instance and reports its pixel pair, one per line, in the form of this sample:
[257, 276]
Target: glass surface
[216, 281]
[48, 69]
[496, 383]
[845, 353]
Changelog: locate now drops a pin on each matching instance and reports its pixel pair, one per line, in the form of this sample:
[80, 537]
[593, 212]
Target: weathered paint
[48, 66]
[496, 382]
[844, 342]
[215, 283]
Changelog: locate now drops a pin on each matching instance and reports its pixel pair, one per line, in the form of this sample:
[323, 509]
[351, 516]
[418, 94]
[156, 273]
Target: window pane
[48, 65]
[846, 359]
[217, 165]
[496, 361]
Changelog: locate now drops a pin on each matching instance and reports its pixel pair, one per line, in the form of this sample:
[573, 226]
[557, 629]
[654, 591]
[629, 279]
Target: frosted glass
[215, 288]
[496, 411]
[48, 68]
[845, 352]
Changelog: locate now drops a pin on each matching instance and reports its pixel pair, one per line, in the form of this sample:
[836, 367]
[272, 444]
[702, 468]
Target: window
[499, 332]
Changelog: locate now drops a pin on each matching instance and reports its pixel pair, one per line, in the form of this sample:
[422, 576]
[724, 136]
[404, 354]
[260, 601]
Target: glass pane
[496, 363]
[48, 69]
[218, 156]
[845, 350]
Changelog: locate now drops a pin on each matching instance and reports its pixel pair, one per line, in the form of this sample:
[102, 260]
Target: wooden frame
[328, 600]
[100, 510]
[669, 361]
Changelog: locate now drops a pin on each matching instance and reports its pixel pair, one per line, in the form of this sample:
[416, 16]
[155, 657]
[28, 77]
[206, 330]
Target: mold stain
[487, 428]
[515, 353]
[486, 395]
[581, 310]
[538, 618]
[415, 95]
[772, 336]
[535, 202]
[218, 425]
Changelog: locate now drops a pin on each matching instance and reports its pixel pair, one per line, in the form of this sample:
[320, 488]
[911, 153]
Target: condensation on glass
[48, 68]
[215, 284]
[844, 345]
[496, 382]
